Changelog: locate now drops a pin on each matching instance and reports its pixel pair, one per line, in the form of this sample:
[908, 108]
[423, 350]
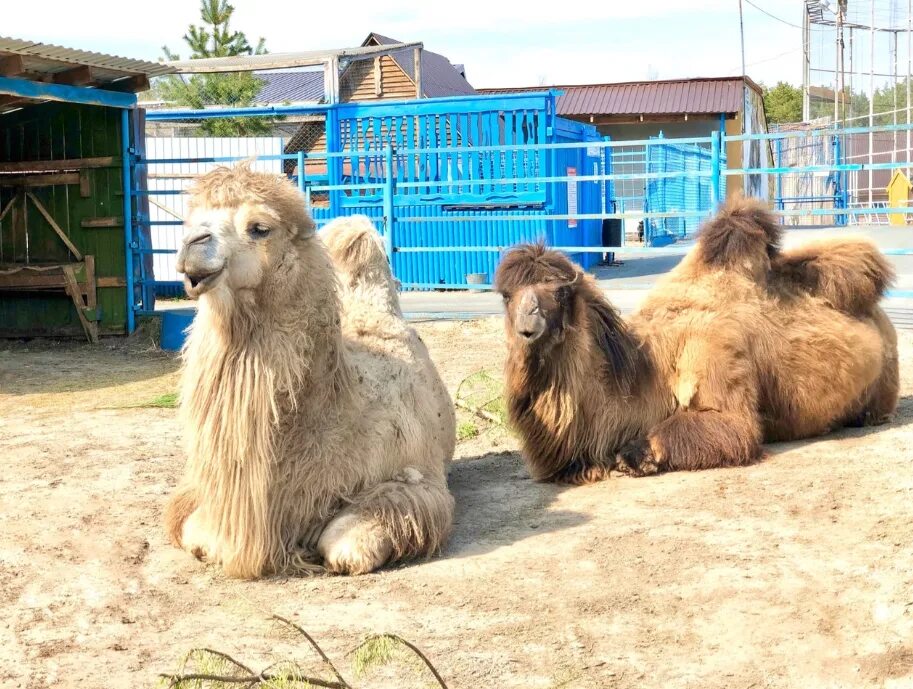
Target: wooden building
[67, 125]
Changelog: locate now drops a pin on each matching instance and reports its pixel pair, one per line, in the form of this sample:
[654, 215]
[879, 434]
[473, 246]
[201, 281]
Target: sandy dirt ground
[796, 572]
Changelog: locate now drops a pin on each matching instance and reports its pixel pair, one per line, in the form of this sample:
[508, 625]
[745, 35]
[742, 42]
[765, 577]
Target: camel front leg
[693, 440]
[717, 422]
[408, 517]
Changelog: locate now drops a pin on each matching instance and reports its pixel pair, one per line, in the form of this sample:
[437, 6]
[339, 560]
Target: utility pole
[744, 85]
[871, 96]
[909, 73]
[838, 71]
[806, 61]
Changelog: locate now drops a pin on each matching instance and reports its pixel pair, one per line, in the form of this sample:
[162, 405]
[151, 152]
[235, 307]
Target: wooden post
[55, 226]
[417, 67]
[378, 83]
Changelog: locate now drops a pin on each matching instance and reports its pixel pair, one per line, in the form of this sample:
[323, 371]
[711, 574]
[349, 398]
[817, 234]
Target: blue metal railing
[435, 238]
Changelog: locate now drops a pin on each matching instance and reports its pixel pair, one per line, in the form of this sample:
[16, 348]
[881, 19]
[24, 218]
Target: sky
[500, 43]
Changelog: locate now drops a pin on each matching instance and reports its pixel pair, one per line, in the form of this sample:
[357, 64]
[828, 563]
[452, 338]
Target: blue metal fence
[452, 185]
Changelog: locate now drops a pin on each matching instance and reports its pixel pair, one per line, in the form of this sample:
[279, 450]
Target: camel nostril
[201, 238]
[528, 334]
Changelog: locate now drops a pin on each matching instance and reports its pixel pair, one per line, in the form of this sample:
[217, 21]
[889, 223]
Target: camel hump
[357, 250]
[849, 273]
[742, 230]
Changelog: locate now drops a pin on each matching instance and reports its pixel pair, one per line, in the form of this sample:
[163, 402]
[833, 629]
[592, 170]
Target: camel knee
[692, 440]
[353, 544]
[405, 518]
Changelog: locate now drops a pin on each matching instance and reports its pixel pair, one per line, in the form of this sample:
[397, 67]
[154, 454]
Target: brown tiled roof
[682, 96]
[440, 78]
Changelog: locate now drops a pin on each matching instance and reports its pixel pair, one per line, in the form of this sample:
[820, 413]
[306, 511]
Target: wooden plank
[90, 328]
[55, 226]
[89, 289]
[417, 67]
[67, 94]
[110, 282]
[85, 184]
[77, 76]
[134, 84]
[11, 65]
[61, 165]
[378, 89]
[49, 180]
[110, 221]
[7, 208]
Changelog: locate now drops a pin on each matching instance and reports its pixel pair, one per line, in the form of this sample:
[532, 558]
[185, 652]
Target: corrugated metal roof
[292, 87]
[440, 77]
[45, 58]
[683, 96]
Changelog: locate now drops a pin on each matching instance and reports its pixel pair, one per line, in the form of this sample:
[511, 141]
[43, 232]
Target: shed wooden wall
[59, 131]
[358, 81]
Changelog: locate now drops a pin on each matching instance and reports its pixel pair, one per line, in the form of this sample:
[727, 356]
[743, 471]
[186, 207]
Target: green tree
[214, 38]
[783, 103]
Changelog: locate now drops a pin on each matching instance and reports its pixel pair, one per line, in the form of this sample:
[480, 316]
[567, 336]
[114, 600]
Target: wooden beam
[7, 208]
[66, 94]
[378, 86]
[49, 180]
[55, 226]
[77, 76]
[72, 287]
[91, 295]
[11, 65]
[60, 165]
[112, 221]
[134, 84]
[110, 282]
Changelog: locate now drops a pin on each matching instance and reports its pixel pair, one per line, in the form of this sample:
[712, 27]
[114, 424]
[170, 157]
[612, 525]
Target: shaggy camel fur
[317, 428]
[741, 343]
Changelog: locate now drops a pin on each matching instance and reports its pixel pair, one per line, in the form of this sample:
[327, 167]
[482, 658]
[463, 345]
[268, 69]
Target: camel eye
[506, 298]
[258, 230]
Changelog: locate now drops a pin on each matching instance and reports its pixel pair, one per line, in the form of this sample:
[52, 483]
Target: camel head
[540, 289]
[243, 233]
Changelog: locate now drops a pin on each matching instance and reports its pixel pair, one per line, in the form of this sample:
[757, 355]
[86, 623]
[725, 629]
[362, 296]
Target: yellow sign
[898, 196]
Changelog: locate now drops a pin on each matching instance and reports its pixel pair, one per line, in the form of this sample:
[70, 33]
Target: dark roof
[440, 78]
[680, 96]
[279, 87]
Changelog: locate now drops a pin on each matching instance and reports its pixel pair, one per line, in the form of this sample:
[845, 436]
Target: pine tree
[214, 38]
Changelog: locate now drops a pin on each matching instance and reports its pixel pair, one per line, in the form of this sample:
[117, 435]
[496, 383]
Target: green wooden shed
[69, 132]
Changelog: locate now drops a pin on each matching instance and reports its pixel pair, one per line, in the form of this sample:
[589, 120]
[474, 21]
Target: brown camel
[742, 343]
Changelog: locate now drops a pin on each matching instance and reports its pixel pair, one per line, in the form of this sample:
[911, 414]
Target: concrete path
[627, 284]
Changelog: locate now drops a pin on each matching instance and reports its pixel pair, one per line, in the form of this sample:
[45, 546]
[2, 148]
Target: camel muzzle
[200, 261]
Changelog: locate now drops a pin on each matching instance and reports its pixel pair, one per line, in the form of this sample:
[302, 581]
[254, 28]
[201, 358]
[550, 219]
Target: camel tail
[742, 230]
[851, 274]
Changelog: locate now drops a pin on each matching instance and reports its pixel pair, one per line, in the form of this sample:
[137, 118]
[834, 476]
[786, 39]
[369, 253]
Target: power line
[773, 16]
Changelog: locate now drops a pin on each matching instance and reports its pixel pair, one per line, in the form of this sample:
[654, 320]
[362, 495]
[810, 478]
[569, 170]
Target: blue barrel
[174, 328]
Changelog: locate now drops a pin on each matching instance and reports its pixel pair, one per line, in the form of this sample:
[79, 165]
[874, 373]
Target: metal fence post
[779, 178]
[388, 203]
[301, 171]
[129, 242]
[715, 172]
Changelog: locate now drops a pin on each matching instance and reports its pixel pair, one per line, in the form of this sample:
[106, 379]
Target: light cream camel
[317, 428]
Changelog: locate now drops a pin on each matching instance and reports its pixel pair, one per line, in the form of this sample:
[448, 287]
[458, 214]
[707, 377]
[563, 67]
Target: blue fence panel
[688, 189]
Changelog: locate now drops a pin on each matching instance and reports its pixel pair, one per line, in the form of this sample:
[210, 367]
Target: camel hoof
[637, 459]
[350, 545]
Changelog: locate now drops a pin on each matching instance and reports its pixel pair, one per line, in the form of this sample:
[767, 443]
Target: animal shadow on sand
[903, 416]
[497, 504]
